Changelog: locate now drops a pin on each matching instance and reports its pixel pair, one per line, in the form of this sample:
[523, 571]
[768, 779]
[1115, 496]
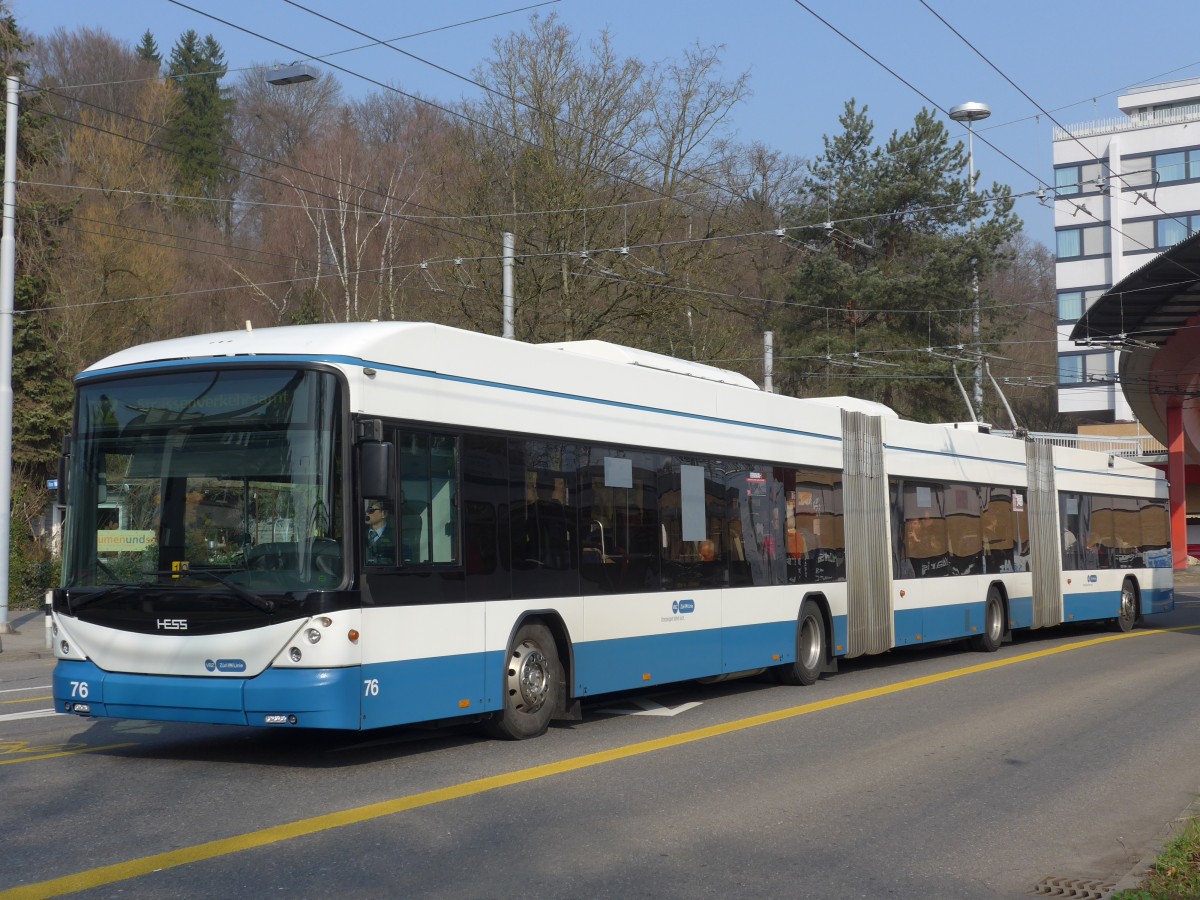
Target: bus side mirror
[375, 469]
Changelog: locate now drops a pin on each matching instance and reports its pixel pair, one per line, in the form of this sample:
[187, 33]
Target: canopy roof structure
[1153, 316]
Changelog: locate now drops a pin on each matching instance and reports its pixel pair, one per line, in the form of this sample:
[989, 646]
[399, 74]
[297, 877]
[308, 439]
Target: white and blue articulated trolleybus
[363, 525]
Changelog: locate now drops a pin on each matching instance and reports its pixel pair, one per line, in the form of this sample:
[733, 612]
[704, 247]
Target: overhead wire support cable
[324, 56]
[287, 184]
[414, 97]
[941, 109]
[1117, 175]
[617, 144]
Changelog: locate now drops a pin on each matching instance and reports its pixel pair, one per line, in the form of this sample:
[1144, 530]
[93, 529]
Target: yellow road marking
[61, 753]
[26, 700]
[134, 868]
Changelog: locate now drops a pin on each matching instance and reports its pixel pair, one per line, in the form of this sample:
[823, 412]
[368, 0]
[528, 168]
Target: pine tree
[147, 50]
[198, 131]
[897, 238]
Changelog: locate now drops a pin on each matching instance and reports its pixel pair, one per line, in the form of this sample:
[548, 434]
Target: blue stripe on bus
[1107, 604]
[421, 690]
[1020, 612]
[624, 663]
[319, 698]
[942, 623]
[1079, 607]
[424, 690]
[1157, 600]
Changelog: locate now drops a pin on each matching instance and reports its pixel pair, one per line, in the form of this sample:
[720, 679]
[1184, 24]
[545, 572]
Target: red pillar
[1177, 474]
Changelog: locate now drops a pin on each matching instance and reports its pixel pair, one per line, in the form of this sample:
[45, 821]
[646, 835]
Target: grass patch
[1176, 872]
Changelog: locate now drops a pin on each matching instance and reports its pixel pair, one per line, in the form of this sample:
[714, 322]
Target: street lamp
[971, 113]
[294, 73]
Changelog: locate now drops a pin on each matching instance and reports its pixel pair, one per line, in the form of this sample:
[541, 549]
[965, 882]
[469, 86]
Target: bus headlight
[295, 654]
[313, 635]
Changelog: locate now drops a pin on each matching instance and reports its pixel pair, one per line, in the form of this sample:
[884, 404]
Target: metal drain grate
[1084, 888]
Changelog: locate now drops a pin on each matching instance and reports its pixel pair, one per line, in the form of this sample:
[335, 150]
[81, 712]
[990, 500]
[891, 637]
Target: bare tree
[88, 69]
[342, 223]
[605, 169]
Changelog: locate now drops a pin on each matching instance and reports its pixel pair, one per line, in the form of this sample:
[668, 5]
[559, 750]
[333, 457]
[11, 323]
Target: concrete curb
[1134, 877]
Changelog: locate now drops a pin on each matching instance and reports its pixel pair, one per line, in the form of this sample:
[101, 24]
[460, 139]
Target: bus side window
[1073, 526]
[427, 513]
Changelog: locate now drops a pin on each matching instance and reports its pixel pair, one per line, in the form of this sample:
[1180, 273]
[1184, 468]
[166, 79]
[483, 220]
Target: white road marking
[32, 714]
[650, 708]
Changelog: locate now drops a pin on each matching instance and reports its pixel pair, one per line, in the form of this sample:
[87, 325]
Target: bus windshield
[191, 478]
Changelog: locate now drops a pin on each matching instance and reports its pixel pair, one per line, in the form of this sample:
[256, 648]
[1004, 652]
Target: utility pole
[768, 361]
[8, 264]
[510, 243]
[971, 113]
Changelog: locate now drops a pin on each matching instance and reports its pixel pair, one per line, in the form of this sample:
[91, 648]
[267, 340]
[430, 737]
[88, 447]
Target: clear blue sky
[802, 72]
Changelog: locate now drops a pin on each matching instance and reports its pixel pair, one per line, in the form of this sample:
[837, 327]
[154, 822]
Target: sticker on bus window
[924, 497]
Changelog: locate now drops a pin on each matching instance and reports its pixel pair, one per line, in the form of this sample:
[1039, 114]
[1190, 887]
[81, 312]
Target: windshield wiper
[240, 592]
[80, 602]
[248, 597]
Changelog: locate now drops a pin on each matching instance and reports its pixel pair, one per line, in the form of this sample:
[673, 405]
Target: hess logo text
[172, 624]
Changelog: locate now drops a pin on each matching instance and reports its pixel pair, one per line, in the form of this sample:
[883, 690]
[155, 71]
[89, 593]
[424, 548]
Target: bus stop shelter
[1153, 317]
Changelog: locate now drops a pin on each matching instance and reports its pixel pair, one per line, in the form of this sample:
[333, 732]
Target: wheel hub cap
[530, 677]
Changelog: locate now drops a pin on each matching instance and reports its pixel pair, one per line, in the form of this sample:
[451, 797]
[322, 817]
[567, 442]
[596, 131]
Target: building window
[1180, 165]
[1070, 306]
[1169, 232]
[1091, 240]
[1084, 368]
[1070, 243]
[1095, 240]
[1067, 181]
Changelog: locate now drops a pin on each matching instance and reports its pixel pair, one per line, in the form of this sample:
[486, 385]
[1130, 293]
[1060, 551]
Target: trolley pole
[8, 262]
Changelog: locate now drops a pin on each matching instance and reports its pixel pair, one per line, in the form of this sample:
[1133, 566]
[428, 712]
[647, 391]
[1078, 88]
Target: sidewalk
[30, 640]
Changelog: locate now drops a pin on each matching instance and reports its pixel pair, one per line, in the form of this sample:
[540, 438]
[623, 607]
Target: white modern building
[1126, 189]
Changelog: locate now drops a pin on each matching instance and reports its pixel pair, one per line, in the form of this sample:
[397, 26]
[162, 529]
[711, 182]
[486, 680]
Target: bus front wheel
[811, 648]
[533, 685]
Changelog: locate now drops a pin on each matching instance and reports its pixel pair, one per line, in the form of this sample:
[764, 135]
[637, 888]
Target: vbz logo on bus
[683, 606]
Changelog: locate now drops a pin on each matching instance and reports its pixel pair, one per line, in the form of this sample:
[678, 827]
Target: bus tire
[993, 624]
[533, 685]
[1129, 607]
[811, 648]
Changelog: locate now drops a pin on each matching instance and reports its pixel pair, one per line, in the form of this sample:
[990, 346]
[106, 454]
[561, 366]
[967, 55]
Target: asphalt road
[935, 773]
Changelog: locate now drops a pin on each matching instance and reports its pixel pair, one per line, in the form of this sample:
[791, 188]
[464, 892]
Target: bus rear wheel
[533, 685]
[811, 649]
[993, 624]
[1129, 608]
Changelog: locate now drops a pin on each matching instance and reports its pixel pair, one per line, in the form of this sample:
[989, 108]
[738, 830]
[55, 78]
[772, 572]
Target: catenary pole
[8, 262]
[510, 243]
[970, 113]
[768, 361]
